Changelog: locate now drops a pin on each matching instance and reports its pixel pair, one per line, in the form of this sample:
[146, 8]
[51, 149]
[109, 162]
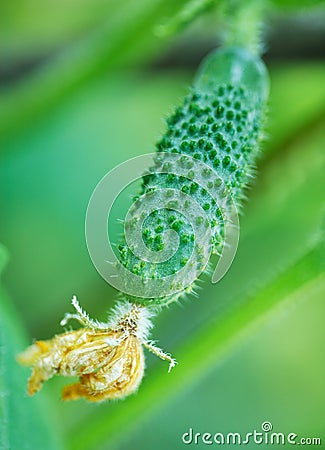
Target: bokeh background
[86, 85]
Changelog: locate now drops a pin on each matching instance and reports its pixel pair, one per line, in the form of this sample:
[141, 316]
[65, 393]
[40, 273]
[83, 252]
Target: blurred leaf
[267, 375]
[202, 352]
[126, 35]
[25, 423]
[36, 28]
[297, 102]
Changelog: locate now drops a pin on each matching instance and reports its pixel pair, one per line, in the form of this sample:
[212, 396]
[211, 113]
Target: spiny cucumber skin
[219, 124]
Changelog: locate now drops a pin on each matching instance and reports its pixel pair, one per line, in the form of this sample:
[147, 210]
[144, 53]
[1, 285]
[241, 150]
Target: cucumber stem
[243, 24]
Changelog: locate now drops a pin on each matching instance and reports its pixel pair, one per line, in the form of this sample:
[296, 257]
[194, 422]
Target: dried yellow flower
[108, 357]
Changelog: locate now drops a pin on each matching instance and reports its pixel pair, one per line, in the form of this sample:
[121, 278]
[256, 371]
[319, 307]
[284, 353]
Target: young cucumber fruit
[219, 125]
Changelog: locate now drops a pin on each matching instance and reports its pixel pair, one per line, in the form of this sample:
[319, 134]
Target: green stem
[243, 19]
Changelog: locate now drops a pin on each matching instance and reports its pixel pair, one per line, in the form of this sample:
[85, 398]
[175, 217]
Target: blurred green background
[84, 86]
